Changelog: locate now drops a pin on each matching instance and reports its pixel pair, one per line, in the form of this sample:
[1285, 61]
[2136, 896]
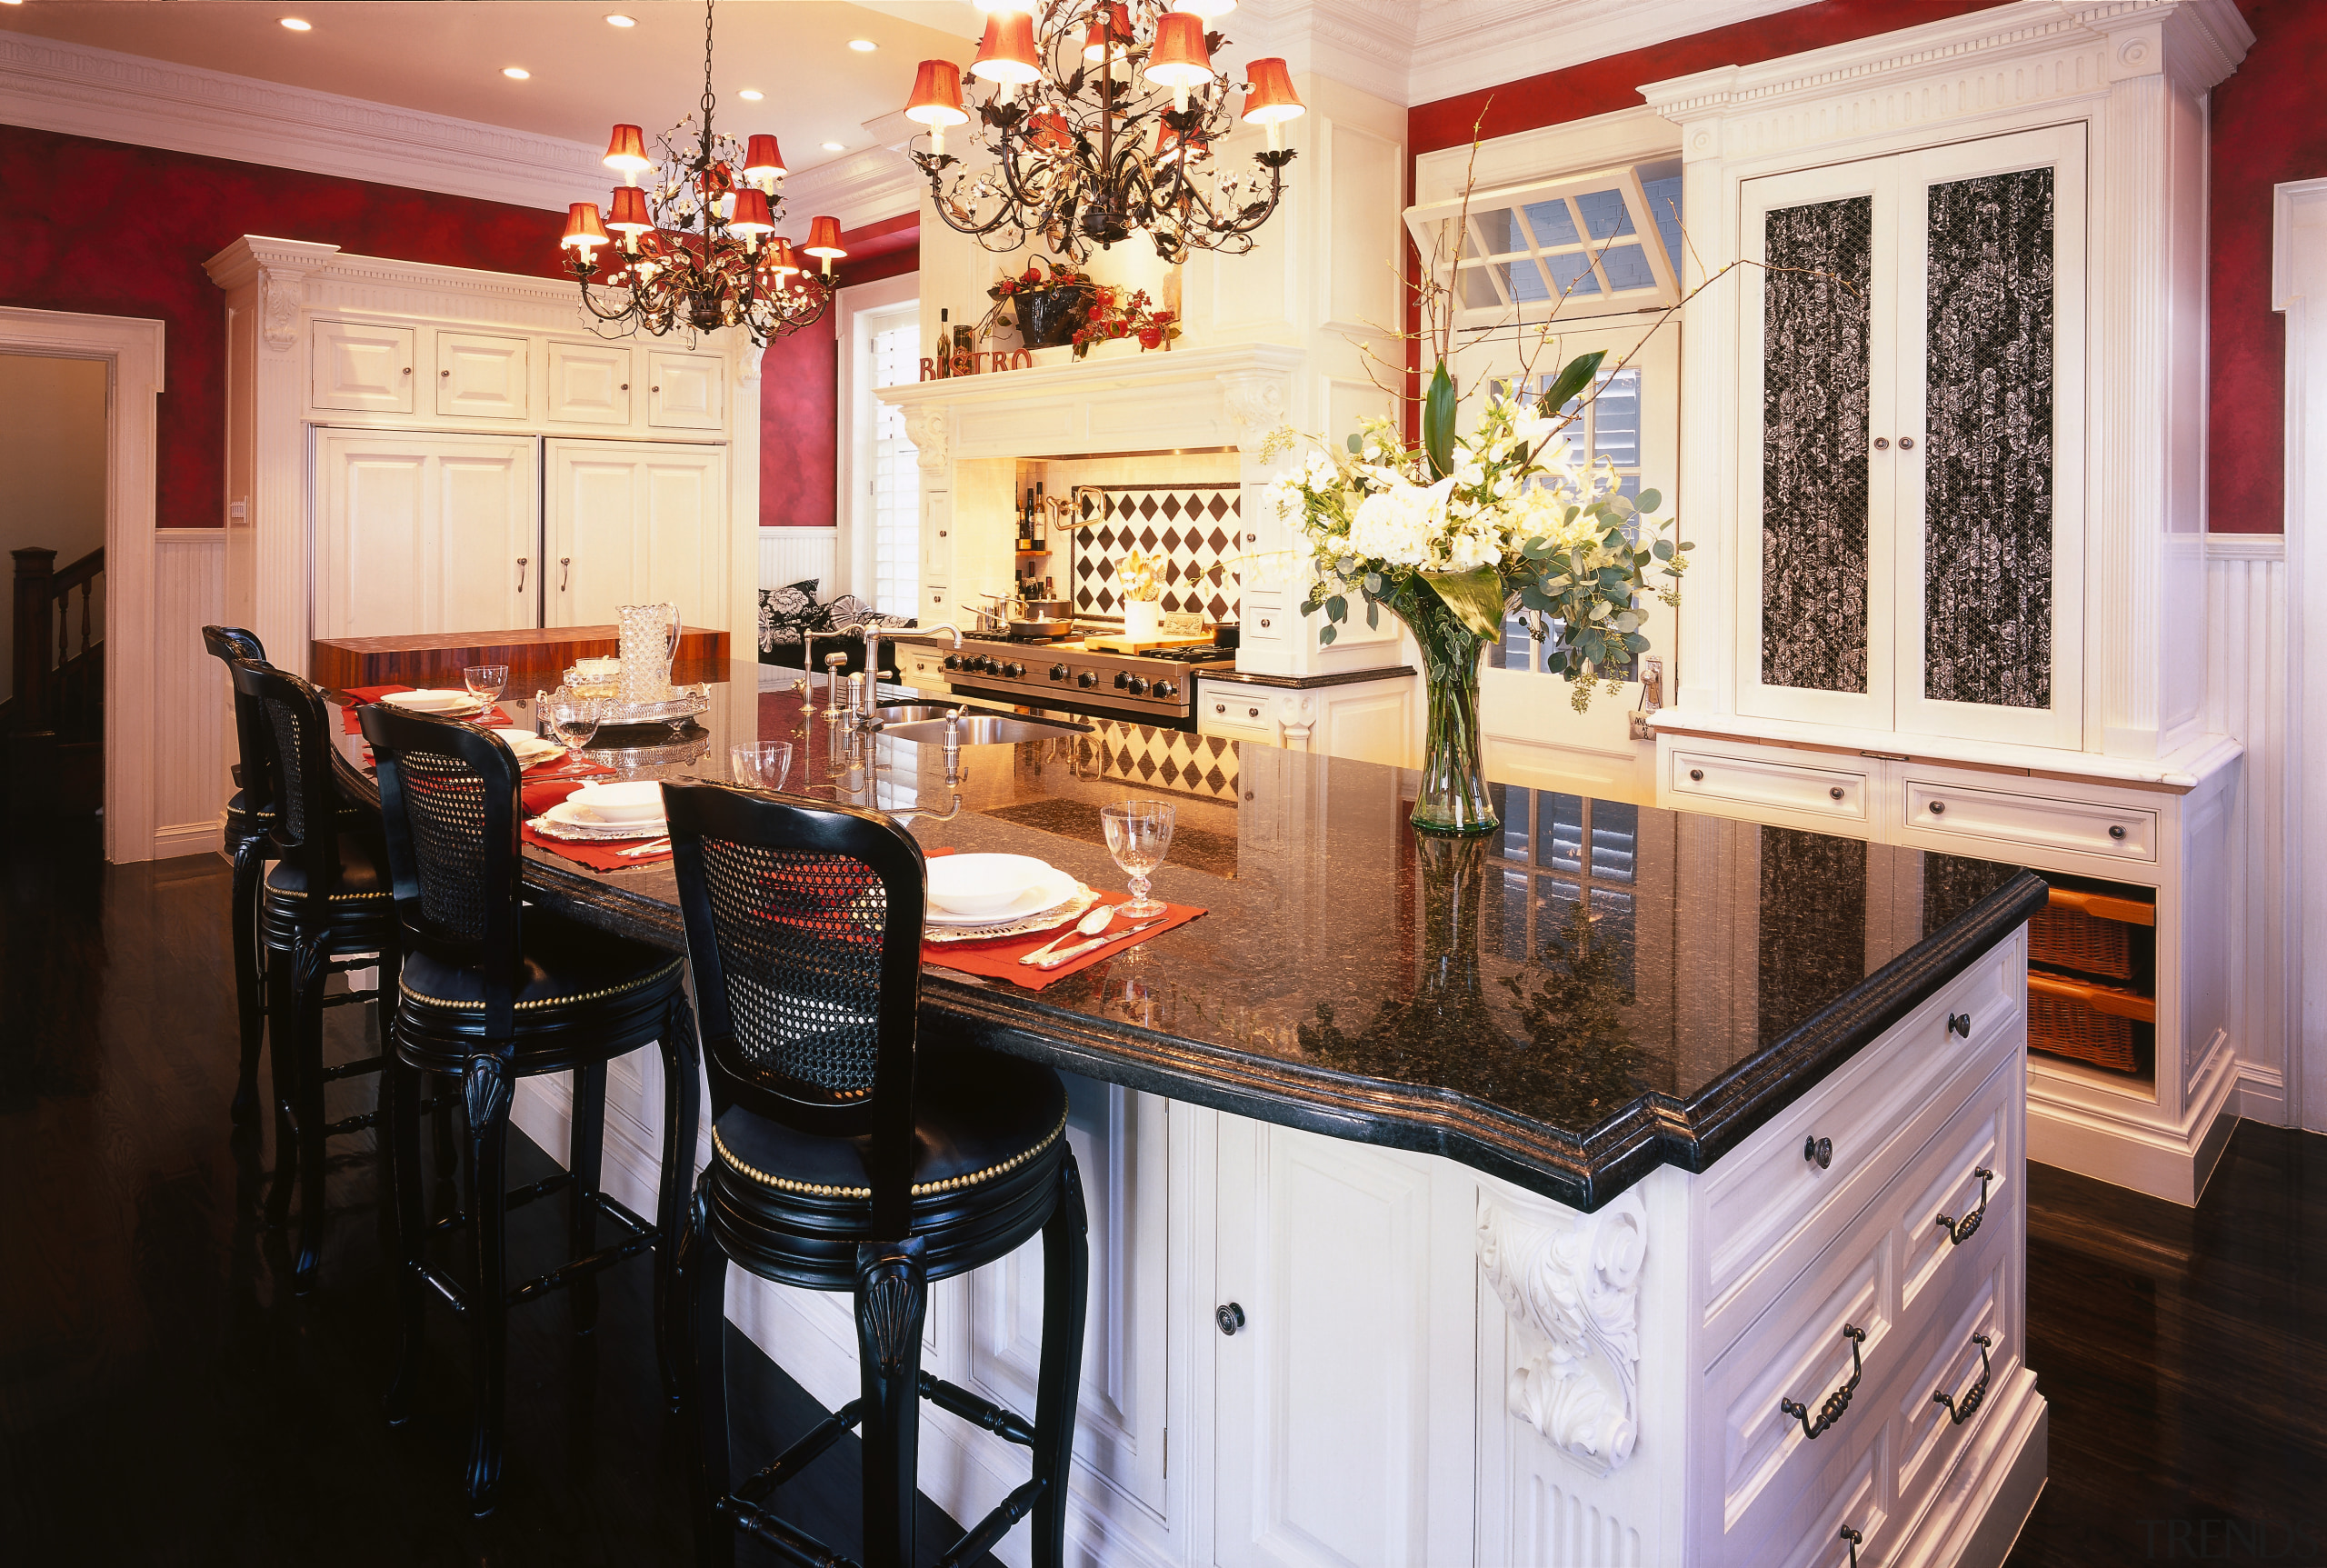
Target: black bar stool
[493, 992]
[249, 826]
[324, 909]
[845, 1159]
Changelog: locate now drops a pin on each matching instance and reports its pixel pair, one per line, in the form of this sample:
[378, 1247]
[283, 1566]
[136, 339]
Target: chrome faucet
[868, 716]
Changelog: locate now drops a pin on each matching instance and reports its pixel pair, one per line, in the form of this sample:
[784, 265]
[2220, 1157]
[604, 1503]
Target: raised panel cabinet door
[596, 500]
[590, 383]
[682, 543]
[424, 534]
[1991, 497]
[360, 366]
[1813, 537]
[1344, 1398]
[685, 391]
[936, 540]
[482, 377]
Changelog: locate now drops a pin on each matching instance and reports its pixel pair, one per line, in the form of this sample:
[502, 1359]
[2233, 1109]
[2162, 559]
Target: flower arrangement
[1115, 314]
[1045, 302]
[1139, 580]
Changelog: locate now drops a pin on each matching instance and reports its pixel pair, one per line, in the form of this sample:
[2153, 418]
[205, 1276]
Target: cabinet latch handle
[1960, 1411]
[521, 573]
[1855, 1540]
[1963, 1230]
[1840, 1400]
[565, 566]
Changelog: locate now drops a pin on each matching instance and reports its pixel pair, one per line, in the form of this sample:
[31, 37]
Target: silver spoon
[1090, 924]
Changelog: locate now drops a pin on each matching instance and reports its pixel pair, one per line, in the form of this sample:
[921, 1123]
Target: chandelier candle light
[696, 250]
[1066, 157]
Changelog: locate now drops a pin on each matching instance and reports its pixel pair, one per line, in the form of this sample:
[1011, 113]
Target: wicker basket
[2088, 933]
[2086, 1023]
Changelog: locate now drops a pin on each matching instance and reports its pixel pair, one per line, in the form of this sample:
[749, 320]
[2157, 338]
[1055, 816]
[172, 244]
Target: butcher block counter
[537, 656]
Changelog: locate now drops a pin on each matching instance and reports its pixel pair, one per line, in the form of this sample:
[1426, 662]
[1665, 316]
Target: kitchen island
[1479, 1202]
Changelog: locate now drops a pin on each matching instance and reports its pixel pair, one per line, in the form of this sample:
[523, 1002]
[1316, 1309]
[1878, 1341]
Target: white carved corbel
[281, 291]
[1571, 1284]
[1255, 402]
[929, 427]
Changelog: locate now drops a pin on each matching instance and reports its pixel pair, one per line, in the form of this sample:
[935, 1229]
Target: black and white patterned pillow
[786, 612]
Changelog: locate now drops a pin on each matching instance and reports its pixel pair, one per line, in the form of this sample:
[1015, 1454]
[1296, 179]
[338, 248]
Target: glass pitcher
[649, 642]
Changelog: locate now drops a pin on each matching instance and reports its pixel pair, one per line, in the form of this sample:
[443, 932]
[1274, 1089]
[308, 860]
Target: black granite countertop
[1597, 989]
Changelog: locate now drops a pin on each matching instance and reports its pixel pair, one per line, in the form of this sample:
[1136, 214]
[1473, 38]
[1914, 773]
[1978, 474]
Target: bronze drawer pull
[1840, 1400]
[1959, 1023]
[1856, 1541]
[1819, 1151]
[1835, 792]
[1960, 1411]
[1963, 1230]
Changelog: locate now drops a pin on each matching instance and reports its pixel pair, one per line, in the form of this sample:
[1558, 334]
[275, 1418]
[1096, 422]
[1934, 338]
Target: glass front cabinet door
[1911, 496]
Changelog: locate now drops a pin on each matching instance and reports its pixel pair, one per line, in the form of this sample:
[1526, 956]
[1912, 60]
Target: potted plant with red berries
[1047, 302]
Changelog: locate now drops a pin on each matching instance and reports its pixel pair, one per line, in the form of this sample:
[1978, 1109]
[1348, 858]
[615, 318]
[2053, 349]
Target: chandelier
[1101, 123]
[697, 248]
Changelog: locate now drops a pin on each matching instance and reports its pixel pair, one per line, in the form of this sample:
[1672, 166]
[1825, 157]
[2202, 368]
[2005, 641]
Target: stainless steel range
[1153, 688]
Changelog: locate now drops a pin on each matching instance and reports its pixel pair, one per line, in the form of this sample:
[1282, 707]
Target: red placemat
[553, 782]
[999, 960]
[597, 857]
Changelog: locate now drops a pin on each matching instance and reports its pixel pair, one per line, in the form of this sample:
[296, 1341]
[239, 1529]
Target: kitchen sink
[894, 713]
[983, 730]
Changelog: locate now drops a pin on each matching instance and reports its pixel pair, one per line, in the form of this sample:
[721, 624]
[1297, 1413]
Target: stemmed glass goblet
[1139, 835]
[484, 682]
[575, 718]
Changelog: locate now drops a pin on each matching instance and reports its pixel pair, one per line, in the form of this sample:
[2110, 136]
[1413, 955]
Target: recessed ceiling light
[617, 19]
[516, 73]
[833, 147]
[296, 23]
[863, 45]
[751, 94]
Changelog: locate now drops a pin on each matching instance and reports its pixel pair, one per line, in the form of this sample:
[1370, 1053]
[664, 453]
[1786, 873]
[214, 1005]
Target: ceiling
[445, 57]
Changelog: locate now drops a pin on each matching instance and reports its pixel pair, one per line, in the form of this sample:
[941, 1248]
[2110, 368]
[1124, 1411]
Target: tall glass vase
[1454, 797]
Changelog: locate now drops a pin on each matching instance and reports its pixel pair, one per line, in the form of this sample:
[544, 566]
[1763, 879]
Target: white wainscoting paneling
[2246, 697]
[192, 726]
[790, 554]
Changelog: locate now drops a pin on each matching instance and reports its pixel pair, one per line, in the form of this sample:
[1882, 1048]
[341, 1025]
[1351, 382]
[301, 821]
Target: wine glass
[1139, 834]
[575, 718]
[484, 682]
[761, 764]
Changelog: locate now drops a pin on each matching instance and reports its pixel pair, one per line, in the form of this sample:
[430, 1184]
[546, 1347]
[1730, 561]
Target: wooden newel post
[36, 568]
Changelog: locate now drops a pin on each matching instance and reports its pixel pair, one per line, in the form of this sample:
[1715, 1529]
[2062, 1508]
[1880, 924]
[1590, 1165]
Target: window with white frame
[1607, 430]
[891, 469]
[1601, 243]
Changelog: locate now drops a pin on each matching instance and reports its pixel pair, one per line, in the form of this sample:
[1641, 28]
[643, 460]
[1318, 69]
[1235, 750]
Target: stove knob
[1058, 672]
[1166, 689]
[1013, 670]
[1139, 686]
[953, 661]
[987, 667]
[1087, 678]
[1122, 680]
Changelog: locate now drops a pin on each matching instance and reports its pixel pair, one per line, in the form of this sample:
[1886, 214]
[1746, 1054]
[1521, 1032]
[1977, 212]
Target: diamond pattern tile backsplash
[1196, 525]
[1164, 760]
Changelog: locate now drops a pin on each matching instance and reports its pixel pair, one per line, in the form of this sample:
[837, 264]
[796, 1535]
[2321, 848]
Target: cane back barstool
[324, 910]
[249, 827]
[494, 991]
[845, 1159]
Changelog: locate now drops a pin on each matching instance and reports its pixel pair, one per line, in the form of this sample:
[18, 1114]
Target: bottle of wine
[945, 345]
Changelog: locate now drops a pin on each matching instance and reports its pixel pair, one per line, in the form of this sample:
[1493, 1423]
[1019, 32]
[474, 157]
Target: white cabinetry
[589, 383]
[482, 377]
[631, 522]
[421, 534]
[363, 366]
[685, 391]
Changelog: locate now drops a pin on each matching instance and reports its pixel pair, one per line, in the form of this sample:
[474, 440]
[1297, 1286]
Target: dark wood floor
[161, 1402]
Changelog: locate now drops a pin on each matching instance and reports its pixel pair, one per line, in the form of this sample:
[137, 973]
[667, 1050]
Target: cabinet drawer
[1768, 1209]
[1810, 1536]
[1923, 1442]
[1224, 709]
[2124, 833]
[1266, 620]
[1751, 780]
[925, 670]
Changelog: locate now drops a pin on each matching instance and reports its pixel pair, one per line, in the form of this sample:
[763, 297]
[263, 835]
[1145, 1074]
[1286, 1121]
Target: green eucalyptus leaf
[1310, 606]
[1574, 377]
[1662, 549]
[1373, 581]
[1337, 608]
[1373, 616]
[1475, 597]
[1326, 635]
[1356, 445]
[1438, 421]
[1636, 642]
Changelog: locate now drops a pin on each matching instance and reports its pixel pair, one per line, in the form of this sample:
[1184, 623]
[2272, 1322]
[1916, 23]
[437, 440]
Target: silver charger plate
[1050, 919]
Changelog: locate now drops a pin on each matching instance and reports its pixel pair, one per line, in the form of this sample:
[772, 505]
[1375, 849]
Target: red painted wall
[117, 229]
[2268, 126]
[800, 389]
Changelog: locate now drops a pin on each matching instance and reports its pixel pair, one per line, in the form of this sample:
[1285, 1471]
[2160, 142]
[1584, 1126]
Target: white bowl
[431, 702]
[983, 884]
[637, 802]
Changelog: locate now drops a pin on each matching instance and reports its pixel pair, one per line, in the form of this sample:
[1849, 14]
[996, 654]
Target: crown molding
[81, 91]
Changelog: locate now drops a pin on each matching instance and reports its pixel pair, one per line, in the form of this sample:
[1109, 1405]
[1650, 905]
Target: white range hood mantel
[1182, 399]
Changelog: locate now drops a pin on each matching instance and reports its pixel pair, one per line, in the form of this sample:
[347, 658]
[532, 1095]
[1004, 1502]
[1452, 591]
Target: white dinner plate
[1053, 889]
[438, 703]
[570, 819]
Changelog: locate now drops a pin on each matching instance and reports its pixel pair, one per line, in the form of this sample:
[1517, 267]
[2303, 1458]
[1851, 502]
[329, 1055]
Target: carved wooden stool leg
[586, 1149]
[1066, 1286]
[892, 1296]
[249, 980]
[487, 1090]
[307, 971]
[681, 1093]
[401, 1087]
[283, 1030]
[702, 1337]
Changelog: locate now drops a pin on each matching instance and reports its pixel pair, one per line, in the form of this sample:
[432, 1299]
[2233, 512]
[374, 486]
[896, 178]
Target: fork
[657, 847]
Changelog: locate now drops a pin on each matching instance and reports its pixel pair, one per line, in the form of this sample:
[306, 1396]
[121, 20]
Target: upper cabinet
[686, 391]
[363, 366]
[589, 383]
[482, 377]
[1911, 334]
[1943, 405]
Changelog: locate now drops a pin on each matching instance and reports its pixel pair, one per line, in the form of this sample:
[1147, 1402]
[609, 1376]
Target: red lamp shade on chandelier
[824, 240]
[583, 232]
[629, 214]
[626, 152]
[1110, 35]
[1272, 101]
[1178, 59]
[1006, 57]
[751, 217]
[937, 101]
[764, 162]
